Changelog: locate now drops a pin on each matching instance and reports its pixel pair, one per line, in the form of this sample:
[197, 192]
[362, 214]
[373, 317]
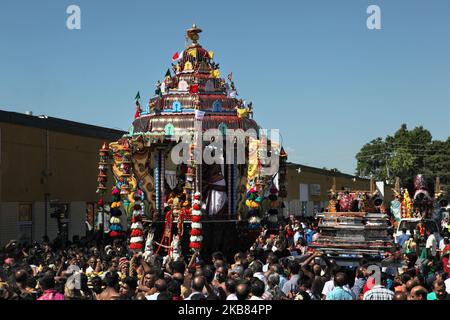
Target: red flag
[177, 56]
[230, 76]
[138, 110]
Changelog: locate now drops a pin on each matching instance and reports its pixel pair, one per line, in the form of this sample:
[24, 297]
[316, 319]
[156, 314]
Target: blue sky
[311, 67]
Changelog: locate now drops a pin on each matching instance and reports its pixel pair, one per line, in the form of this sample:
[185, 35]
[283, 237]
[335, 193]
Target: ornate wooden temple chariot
[169, 205]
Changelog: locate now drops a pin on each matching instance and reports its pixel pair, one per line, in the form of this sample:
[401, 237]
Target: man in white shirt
[447, 285]
[232, 296]
[152, 296]
[270, 260]
[197, 287]
[442, 244]
[431, 244]
[161, 286]
[297, 235]
[257, 268]
[329, 286]
[230, 289]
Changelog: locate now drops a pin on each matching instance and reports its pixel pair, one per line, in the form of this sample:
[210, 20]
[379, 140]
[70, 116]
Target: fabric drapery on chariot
[217, 197]
[171, 178]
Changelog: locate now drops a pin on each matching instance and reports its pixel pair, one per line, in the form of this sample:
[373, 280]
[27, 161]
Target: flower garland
[196, 225]
[103, 170]
[125, 168]
[116, 229]
[253, 202]
[137, 233]
[273, 208]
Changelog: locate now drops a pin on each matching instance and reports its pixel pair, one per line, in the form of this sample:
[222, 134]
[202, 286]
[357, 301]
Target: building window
[25, 220]
[304, 208]
[317, 208]
[315, 189]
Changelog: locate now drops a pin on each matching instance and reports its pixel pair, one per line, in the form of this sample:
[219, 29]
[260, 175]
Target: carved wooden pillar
[157, 183]
[162, 156]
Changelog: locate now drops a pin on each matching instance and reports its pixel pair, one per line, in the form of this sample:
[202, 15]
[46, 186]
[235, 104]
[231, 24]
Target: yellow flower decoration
[115, 204]
[215, 73]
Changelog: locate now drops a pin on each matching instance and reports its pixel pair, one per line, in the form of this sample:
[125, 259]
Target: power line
[389, 153]
[405, 145]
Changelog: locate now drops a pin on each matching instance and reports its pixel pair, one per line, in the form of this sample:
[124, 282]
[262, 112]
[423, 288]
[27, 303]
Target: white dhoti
[216, 199]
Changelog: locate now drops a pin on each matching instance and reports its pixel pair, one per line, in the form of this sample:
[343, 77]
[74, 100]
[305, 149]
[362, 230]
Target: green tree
[372, 159]
[405, 154]
[437, 163]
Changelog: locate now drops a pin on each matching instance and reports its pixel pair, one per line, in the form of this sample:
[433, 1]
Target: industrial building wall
[12, 228]
[71, 161]
[8, 222]
[308, 189]
[25, 154]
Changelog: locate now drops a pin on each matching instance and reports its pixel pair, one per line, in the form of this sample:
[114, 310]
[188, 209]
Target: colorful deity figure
[423, 203]
[345, 203]
[332, 205]
[406, 205]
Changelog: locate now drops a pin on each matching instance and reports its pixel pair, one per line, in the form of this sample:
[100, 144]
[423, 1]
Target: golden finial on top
[193, 32]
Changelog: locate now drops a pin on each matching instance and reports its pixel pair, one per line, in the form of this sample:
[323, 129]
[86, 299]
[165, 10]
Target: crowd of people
[278, 266]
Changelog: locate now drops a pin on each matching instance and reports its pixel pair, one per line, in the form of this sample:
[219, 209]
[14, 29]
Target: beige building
[308, 188]
[45, 160]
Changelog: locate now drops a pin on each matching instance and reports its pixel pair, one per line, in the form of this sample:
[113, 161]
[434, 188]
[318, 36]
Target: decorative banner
[199, 115]
[380, 187]
[252, 161]
[396, 209]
